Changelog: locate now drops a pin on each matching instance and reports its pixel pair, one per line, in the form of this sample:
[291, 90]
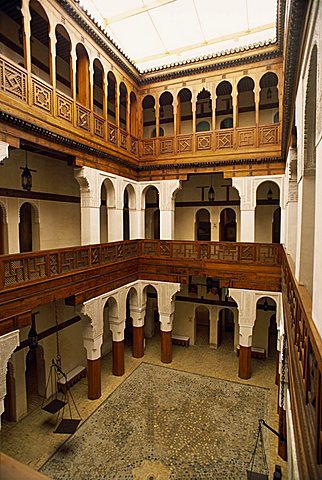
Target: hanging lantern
[32, 336]
[26, 179]
[211, 194]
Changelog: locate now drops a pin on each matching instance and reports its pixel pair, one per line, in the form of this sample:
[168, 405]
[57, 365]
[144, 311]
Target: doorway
[202, 326]
[203, 225]
[227, 226]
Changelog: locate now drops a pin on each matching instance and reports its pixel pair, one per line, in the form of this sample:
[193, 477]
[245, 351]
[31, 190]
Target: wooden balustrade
[42, 97]
[305, 373]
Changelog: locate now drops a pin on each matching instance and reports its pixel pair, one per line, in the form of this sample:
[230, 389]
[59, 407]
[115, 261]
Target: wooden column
[282, 445]
[138, 342]
[166, 347]
[94, 378]
[118, 358]
[244, 362]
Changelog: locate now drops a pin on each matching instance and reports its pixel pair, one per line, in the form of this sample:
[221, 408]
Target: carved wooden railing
[228, 140]
[221, 252]
[305, 373]
[22, 268]
[41, 96]
[29, 267]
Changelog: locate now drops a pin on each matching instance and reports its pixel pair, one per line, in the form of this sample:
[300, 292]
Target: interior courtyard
[160, 240]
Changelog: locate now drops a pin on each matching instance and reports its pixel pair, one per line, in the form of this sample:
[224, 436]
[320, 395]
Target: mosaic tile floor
[162, 423]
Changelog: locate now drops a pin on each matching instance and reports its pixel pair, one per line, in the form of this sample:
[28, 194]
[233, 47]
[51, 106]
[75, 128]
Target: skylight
[154, 33]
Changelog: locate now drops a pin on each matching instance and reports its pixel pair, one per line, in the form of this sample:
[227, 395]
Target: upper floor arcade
[74, 83]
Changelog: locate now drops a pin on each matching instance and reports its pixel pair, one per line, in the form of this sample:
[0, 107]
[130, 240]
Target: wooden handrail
[305, 372]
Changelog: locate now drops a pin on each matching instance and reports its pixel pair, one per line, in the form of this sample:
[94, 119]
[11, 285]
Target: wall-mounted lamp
[32, 335]
[270, 194]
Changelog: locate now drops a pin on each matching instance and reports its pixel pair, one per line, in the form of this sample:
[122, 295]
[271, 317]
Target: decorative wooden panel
[13, 80]
[123, 139]
[246, 137]
[133, 145]
[82, 117]
[269, 135]
[112, 133]
[24, 269]
[41, 95]
[148, 147]
[204, 141]
[99, 126]
[64, 107]
[166, 145]
[224, 139]
[184, 143]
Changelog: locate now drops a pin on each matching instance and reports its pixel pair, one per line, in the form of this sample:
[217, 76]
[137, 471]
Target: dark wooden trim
[166, 347]
[118, 358]
[53, 197]
[94, 378]
[138, 342]
[245, 363]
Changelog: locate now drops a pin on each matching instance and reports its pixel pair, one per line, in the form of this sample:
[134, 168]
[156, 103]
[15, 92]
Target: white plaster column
[8, 343]
[89, 182]
[168, 189]
[166, 303]
[27, 33]
[245, 188]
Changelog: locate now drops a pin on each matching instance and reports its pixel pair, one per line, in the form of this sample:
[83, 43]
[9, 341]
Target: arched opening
[126, 216]
[307, 184]
[149, 118]
[123, 106]
[133, 115]
[246, 102]
[203, 225]
[3, 232]
[226, 328]
[227, 225]
[107, 202]
[152, 214]
[268, 99]
[265, 309]
[184, 116]
[64, 72]
[111, 97]
[39, 41]
[28, 229]
[203, 111]
[166, 117]
[82, 75]
[224, 105]
[110, 308]
[202, 326]
[98, 87]
[35, 377]
[267, 219]
[152, 319]
[13, 40]
[272, 337]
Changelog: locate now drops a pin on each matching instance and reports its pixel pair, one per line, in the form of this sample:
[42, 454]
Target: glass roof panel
[159, 32]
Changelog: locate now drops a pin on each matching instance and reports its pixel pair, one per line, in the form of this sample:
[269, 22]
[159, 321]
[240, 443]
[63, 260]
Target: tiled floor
[32, 442]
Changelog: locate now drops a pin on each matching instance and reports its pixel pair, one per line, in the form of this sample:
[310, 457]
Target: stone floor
[31, 440]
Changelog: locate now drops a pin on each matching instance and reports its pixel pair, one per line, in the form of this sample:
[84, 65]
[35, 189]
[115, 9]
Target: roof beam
[136, 11]
[211, 41]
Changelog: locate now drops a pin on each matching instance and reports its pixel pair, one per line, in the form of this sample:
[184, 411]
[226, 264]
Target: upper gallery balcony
[72, 88]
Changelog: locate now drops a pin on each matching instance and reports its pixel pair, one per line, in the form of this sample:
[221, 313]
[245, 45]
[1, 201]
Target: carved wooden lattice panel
[149, 248]
[247, 253]
[148, 147]
[112, 133]
[134, 146]
[130, 250]
[222, 252]
[123, 137]
[224, 139]
[99, 126]
[74, 260]
[95, 256]
[13, 80]
[204, 142]
[267, 254]
[184, 143]
[268, 135]
[64, 107]
[17, 271]
[82, 118]
[166, 146]
[246, 137]
[41, 95]
[185, 250]
[53, 264]
[165, 249]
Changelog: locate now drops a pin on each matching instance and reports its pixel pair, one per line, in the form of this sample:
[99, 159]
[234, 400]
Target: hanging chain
[58, 357]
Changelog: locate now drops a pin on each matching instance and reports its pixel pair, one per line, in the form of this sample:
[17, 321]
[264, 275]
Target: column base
[94, 378]
[118, 358]
[166, 347]
[138, 342]
[245, 370]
